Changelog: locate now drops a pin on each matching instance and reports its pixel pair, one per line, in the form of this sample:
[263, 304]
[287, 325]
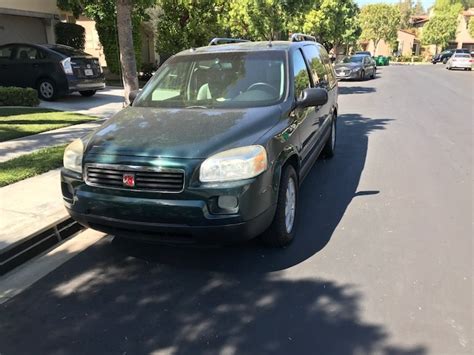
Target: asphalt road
[382, 261]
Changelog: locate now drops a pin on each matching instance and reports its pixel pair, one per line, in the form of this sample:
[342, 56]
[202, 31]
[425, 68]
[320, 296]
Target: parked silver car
[359, 66]
[460, 61]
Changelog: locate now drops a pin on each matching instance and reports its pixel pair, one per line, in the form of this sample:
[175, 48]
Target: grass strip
[16, 122]
[30, 165]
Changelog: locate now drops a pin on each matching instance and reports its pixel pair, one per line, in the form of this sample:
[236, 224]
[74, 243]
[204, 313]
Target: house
[28, 21]
[33, 21]
[407, 44]
[409, 41]
[463, 38]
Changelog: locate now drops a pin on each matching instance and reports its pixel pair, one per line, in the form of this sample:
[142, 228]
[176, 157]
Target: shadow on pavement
[125, 297]
[347, 90]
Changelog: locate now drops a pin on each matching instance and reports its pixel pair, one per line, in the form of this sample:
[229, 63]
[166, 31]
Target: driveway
[103, 104]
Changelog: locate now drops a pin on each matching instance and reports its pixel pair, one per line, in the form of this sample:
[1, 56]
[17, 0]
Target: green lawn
[31, 164]
[25, 121]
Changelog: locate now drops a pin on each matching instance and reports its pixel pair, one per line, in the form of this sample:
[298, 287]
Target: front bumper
[190, 216]
[348, 75]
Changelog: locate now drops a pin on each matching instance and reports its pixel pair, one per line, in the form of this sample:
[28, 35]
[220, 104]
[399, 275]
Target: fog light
[227, 202]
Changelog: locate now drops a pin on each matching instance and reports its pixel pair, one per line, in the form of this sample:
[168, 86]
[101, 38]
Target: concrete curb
[37, 243]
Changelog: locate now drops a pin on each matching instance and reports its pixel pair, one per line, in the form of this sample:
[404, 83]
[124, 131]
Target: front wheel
[281, 231]
[330, 147]
[87, 93]
[362, 75]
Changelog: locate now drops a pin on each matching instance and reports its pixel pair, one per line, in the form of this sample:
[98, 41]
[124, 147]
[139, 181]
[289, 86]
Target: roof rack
[217, 40]
[300, 37]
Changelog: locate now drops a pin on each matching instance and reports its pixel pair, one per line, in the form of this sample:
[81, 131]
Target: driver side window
[300, 72]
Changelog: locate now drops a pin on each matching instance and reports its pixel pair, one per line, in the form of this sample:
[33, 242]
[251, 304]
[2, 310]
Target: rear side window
[300, 72]
[27, 53]
[321, 66]
[6, 52]
[461, 55]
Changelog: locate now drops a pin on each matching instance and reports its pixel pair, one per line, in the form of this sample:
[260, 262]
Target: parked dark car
[442, 57]
[358, 67]
[53, 70]
[213, 148]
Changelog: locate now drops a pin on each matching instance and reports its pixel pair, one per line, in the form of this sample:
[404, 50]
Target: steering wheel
[264, 86]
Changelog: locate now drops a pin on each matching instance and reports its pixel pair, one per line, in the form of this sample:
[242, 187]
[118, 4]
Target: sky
[426, 3]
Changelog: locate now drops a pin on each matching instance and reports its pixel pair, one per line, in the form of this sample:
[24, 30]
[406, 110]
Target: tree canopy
[442, 27]
[379, 21]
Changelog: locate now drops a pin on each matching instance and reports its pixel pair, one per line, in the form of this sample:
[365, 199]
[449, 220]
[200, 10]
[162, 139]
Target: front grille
[157, 179]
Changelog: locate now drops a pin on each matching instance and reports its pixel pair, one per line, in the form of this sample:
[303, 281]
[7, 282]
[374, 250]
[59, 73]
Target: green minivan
[212, 149]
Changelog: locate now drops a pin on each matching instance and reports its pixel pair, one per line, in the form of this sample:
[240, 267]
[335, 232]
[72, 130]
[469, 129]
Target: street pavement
[381, 264]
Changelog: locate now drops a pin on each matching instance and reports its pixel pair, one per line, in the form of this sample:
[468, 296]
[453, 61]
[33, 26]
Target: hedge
[108, 37]
[13, 96]
[70, 34]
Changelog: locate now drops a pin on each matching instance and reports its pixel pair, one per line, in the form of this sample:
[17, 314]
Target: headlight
[234, 164]
[73, 156]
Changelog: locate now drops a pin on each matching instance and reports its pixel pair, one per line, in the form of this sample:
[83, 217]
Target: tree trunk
[127, 52]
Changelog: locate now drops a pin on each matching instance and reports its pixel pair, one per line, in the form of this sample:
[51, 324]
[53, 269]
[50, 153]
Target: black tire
[88, 93]
[373, 75]
[362, 75]
[278, 235]
[47, 89]
[445, 60]
[330, 147]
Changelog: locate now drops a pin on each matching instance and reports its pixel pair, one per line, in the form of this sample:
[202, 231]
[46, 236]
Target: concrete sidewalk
[24, 145]
[31, 213]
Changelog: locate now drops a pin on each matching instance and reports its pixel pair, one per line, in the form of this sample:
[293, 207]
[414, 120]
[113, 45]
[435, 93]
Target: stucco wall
[463, 35]
[405, 45]
[44, 6]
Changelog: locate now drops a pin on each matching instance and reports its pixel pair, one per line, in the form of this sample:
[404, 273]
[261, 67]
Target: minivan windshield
[221, 80]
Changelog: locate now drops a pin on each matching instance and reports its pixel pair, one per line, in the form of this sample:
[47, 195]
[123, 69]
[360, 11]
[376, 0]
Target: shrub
[13, 96]
[70, 34]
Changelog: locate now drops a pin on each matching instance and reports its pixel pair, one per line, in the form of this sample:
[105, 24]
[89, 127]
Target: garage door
[21, 29]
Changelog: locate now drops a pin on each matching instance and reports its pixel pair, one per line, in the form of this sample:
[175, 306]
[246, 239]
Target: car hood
[180, 133]
[348, 65]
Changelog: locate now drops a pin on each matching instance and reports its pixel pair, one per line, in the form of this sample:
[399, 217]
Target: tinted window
[6, 52]
[300, 72]
[68, 51]
[318, 69]
[27, 53]
[233, 79]
[330, 76]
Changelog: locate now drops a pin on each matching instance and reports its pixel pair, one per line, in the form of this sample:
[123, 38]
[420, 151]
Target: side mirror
[313, 97]
[132, 96]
